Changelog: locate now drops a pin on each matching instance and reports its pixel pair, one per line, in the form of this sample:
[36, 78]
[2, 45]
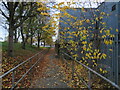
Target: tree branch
[4, 15]
[15, 5]
[5, 5]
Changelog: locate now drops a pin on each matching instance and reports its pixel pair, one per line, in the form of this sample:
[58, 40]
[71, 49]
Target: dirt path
[52, 77]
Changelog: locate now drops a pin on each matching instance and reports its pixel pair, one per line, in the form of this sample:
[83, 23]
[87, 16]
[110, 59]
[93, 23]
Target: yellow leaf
[97, 19]
[104, 55]
[110, 49]
[87, 20]
[111, 41]
[107, 32]
[80, 60]
[87, 64]
[44, 14]
[105, 71]
[93, 60]
[81, 51]
[116, 30]
[106, 42]
[84, 42]
[100, 31]
[101, 69]
[101, 17]
[83, 9]
[61, 3]
[103, 13]
[95, 64]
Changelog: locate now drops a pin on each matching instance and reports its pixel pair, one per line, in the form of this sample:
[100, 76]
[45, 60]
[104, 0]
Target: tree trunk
[44, 43]
[31, 37]
[38, 39]
[10, 41]
[15, 37]
[23, 45]
[31, 41]
[11, 28]
[23, 38]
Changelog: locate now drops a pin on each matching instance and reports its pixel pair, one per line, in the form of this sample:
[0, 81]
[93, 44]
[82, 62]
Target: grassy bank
[18, 51]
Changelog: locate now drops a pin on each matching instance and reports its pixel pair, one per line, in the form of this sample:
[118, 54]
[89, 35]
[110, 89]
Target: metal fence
[111, 63]
[91, 73]
[38, 57]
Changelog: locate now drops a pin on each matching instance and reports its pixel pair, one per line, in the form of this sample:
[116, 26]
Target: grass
[18, 51]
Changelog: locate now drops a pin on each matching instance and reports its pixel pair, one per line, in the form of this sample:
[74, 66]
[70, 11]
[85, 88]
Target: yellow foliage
[104, 36]
[70, 37]
[83, 9]
[103, 23]
[65, 7]
[101, 69]
[76, 55]
[101, 17]
[84, 42]
[97, 19]
[46, 14]
[110, 49]
[103, 56]
[102, 13]
[65, 14]
[54, 6]
[100, 31]
[88, 21]
[60, 3]
[93, 60]
[106, 42]
[107, 32]
[111, 42]
[81, 51]
[116, 30]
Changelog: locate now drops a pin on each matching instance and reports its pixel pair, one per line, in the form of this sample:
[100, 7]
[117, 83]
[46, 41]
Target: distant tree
[16, 13]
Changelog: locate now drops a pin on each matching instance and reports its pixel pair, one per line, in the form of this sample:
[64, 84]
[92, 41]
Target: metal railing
[89, 72]
[43, 52]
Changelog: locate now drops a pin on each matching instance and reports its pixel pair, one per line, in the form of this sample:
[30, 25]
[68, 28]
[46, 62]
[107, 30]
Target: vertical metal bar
[31, 71]
[73, 71]
[37, 56]
[112, 59]
[116, 76]
[22, 84]
[62, 56]
[13, 79]
[89, 78]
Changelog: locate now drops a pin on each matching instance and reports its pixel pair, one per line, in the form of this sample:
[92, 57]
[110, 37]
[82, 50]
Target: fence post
[89, 78]
[13, 79]
[31, 71]
[116, 63]
[73, 71]
[37, 56]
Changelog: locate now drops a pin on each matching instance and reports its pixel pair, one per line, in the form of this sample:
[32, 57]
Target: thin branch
[4, 15]
[15, 5]
[5, 5]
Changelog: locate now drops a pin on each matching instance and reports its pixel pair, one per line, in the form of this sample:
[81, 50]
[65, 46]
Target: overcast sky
[3, 32]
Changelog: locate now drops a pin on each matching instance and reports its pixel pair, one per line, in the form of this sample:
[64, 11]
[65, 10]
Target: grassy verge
[18, 51]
